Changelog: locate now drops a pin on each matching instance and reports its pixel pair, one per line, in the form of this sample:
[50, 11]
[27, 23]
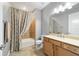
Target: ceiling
[29, 6]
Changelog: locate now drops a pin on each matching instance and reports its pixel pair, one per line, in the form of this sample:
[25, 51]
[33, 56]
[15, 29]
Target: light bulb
[56, 10]
[68, 5]
[61, 8]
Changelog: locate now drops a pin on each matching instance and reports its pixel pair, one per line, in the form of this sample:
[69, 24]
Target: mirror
[55, 27]
[66, 22]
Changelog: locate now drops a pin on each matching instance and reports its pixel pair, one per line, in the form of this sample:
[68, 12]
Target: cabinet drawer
[71, 48]
[57, 43]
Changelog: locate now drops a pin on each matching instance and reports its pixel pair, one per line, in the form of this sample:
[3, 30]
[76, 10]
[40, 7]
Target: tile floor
[28, 51]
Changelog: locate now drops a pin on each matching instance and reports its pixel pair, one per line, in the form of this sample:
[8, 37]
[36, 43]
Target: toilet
[39, 43]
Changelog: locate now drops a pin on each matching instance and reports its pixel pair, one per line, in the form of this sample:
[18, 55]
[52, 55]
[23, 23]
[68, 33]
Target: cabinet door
[48, 49]
[45, 47]
[63, 52]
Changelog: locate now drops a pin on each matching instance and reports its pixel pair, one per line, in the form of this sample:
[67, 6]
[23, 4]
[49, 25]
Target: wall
[5, 17]
[37, 15]
[1, 24]
[1, 27]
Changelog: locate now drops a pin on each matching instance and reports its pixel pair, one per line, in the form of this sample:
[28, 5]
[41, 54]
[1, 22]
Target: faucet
[60, 35]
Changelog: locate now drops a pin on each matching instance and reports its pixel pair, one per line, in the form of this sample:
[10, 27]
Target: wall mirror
[66, 22]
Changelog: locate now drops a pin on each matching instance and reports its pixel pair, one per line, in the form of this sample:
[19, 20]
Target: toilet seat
[38, 41]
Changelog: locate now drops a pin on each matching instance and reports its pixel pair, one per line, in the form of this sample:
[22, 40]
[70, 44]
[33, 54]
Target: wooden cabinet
[72, 48]
[46, 39]
[53, 47]
[48, 48]
[63, 52]
[57, 43]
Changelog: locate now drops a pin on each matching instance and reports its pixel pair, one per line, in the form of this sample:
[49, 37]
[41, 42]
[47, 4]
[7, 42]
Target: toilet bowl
[38, 41]
[39, 44]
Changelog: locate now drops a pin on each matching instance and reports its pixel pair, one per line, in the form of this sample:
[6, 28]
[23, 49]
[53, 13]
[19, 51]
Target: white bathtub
[26, 42]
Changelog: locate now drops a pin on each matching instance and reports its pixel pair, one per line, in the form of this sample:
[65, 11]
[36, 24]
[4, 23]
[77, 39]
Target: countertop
[65, 40]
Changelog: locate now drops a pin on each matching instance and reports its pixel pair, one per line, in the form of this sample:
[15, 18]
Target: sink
[72, 37]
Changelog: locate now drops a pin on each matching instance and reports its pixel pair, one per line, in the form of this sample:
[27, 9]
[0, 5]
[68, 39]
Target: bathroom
[37, 20]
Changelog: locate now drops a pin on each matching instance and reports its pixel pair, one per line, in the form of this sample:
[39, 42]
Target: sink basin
[72, 36]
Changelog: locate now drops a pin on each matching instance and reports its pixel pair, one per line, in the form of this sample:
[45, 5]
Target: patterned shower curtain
[23, 21]
[18, 24]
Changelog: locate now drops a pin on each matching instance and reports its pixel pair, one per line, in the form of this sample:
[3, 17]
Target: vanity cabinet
[63, 52]
[52, 47]
[48, 47]
[72, 48]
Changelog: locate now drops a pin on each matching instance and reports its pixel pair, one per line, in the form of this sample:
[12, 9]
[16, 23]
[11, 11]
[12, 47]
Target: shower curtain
[18, 25]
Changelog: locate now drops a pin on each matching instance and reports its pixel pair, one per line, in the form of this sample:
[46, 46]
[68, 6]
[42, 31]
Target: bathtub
[26, 42]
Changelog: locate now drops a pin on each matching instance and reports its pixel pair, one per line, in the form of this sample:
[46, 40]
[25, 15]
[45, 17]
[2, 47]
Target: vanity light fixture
[61, 8]
[68, 5]
[56, 10]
